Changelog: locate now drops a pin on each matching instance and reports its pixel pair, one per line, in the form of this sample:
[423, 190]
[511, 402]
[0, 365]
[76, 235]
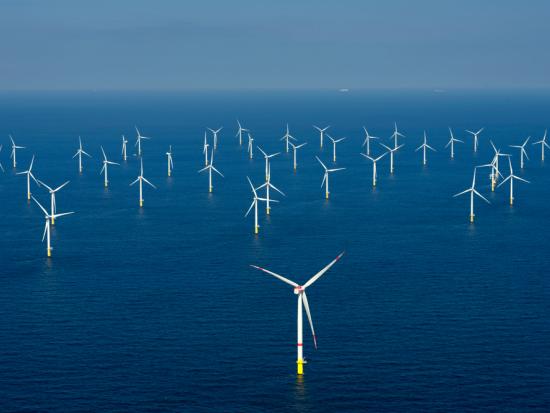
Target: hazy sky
[184, 44]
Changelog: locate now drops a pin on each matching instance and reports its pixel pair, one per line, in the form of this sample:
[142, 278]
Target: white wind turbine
[210, 167]
[138, 141]
[475, 136]
[542, 144]
[240, 133]
[522, 151]
[205, 150]
[325, 176]
[267, 158]
[374, 162]
[321, 133]
[511, 177]
[2, 166]
[334, 142]
[79, 153]
[104, 170]
[268, 185]
[395, 135]
[472, 190]
[30, 175]
[294, 150]
[300, 291]
[254, 205]
[141, 179]
[47, 229]
[250, 147]
[495, 172]
[215, 134]
[451, 143]
[287, 137]
[391, 151]
[425, 146]
[14, 148]
[169, 160]
[53, 205]
[368, 137]
[124, 142]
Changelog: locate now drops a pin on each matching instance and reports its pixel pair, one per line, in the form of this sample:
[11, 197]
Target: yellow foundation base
[511, 201]
[29, 196]
[326, 196]
[53, 221]
[106, 184]
[49, 252]
[169, 174]
[140, 203]
[300, 366]
[267, 211]
[210, 189]
[255, 230]
[471, 218]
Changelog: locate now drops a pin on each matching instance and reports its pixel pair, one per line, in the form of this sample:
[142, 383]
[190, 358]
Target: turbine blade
[324, 270]
[306, 307]
[280, 277]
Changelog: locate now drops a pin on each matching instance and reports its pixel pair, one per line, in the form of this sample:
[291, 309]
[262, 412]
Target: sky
[260, 44]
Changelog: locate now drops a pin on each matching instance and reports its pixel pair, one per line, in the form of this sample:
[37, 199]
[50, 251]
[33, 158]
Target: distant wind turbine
[124, 142]
[325, 176]
[321, 133]
[105, 168]
[250, 147]
[53, 205]
[14, 148]
[210, 167]
[334, 142]
[374, 162]
[451, 143]
[215, 135]
[522, 151]
[472, 191]
[368, 137]
[240, 133]
[169, 160]
[425, 146]
[391, 152]
[138, 141]
[543, 145]
[268, 185]
[395, 135]
[267, 158]
[142, 179]
[79, 153]
[511, 178]
[475, 135]
[30, 175]
[254, 205]
[47, 229]
[287, 137]
[294, 150]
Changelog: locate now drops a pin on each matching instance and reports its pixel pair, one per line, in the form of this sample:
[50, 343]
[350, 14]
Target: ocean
[158, 309]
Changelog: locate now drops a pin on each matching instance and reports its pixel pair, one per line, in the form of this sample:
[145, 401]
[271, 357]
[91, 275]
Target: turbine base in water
[49, 253]
[300, 366]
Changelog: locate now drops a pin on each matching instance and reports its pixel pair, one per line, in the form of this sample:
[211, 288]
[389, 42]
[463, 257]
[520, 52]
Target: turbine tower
[472, 191]
[325, 176]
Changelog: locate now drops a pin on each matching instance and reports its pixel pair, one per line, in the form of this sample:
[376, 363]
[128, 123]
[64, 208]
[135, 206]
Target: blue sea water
[158, 309]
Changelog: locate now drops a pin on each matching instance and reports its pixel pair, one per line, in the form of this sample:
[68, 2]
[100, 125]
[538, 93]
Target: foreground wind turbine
[254, 205]
[2, 166]
[300, 291]
[210, 167]
[511, 177]
[472, 190]
[29, 174]
[425, 146]
[124, 142]
[267, 157]
[14, 148]
[169, 159]
[374, 161]
[240, 133]
[542, 144]
[141, 179]
[205, 150]
[250, 147]
[268, 185]
[334, 142]
[396, 135]
[522, 151]
[452, 143]
[287, 137]
[391, 151]
[325, 176]
[79, 153]
[321, 133]
[138, 141]
[106, 164]
[47, 228]
[215, 134]
[368, 137]
[475, 136]
[52, 192]
[294, 150]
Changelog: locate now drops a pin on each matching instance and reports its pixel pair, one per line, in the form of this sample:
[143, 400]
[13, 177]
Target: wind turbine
[391, 151]
[472, 190]
[205, 150]
[29, 174]
[374, 161]
[268, 185]
[321, 133]
[210, 167]
[141, 179]
[542, 144]
[14, 147]
[511, 177]
[334, 142]
[367, 140]
[169, 160]
[250, 148]
[475, 136]
[452, 143]
[325, 176]
[267, 157]
[300, 291]
[52, 192]
[240, 133]
[138, 141]
[215, 134]
[522, 151]
[495, 172]
[106, 163]
[124, 142]
[425, 146]
[255, 206]
[294, 150]
[396, 135]
[79, 153]
[47, 228]
[287, 137]
[2, 166]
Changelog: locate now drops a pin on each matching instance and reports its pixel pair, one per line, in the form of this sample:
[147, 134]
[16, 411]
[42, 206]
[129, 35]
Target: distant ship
[343, 90]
